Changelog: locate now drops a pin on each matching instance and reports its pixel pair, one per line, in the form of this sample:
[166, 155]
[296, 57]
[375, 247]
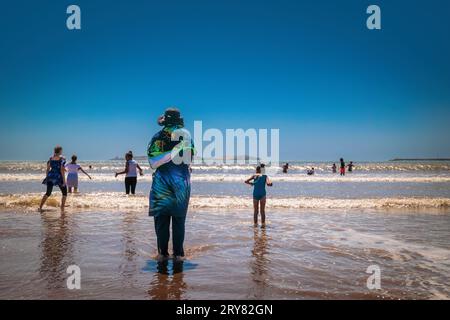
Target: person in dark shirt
[342, 169]
[350, 166]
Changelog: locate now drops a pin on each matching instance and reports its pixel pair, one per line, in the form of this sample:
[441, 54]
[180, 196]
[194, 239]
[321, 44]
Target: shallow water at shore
[299, 255]
[323, 233]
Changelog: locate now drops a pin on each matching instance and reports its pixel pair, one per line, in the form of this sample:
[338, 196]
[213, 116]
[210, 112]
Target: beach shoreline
[107, 201]
[323, 232]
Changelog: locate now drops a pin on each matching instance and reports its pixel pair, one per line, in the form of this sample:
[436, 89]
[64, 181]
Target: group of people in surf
[57, 167]
[312, 171]
[170, 191]
[342, 167]
[56, 176]
[171, 186]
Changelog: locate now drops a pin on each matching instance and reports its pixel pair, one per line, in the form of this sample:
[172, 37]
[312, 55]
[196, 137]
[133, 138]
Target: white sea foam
[6, 177]
[119, 201]
[111, 166]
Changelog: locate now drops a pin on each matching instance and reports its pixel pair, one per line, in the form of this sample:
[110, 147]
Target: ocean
[323, 233]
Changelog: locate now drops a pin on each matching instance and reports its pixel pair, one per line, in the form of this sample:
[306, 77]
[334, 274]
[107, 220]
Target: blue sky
[310, 68]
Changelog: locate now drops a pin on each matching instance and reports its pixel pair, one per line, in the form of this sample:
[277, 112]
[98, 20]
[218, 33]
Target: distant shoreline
[420, 159]
[135, 157]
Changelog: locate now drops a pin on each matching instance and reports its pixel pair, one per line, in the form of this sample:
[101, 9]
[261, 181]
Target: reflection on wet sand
[226, 257]
[259, 263]
[129, 266]
[56, 249]
[168, 283]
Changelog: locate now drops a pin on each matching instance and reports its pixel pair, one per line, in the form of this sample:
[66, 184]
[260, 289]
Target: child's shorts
[72, 180]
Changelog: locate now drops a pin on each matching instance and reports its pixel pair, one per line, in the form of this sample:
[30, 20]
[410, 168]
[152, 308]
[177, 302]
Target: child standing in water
[259, 182]
[334, 168]
[342, 169]
[131, 173]
[72, 175]
[55, 177]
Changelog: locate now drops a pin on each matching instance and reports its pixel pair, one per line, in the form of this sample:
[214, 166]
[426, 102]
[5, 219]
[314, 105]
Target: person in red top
[342, 169]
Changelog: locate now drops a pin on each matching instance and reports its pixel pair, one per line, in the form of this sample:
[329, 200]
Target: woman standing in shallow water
[131, 167]
[55, 177]
[171, 185]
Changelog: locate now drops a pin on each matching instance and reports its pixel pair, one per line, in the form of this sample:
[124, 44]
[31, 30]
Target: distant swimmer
[310, 172]
[131, 167]
[342, 169]
[334, 168]
[350, 166]
[55, 176]
[285, 167]
[72, 175]
[259, 182]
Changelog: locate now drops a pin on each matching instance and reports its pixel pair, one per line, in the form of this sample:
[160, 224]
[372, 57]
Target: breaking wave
[120, 201]
[7, 177]
[114, 165]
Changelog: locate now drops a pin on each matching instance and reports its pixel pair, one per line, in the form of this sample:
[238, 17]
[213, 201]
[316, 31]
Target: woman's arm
[140, 170]
[249, 179]
[63, 174]
[81, 169]
[268, 182]
[124, 171]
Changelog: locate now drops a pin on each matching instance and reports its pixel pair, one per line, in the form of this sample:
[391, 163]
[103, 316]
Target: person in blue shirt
[259, 182]
[170, 153]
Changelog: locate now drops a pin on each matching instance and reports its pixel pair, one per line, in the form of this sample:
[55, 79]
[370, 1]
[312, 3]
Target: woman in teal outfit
[170, 152]
[259, 182]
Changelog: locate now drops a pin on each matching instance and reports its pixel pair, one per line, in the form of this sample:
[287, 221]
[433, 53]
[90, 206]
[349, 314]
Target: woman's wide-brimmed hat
[171, 116]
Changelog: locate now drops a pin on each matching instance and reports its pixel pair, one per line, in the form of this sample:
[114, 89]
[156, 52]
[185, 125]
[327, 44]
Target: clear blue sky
[310, 68]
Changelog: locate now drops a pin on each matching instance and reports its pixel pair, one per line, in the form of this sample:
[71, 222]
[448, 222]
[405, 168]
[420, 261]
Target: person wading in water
[170, 153]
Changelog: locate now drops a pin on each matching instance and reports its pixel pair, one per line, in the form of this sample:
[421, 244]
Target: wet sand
[301, 254]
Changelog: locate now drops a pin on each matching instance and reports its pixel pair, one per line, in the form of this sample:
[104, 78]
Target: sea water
[323, 233]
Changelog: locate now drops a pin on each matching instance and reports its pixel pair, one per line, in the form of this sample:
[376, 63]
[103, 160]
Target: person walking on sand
[342, 168]
[55, 176]
[170, 153]
[259, 182]
[72, 174]
[131, 167]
